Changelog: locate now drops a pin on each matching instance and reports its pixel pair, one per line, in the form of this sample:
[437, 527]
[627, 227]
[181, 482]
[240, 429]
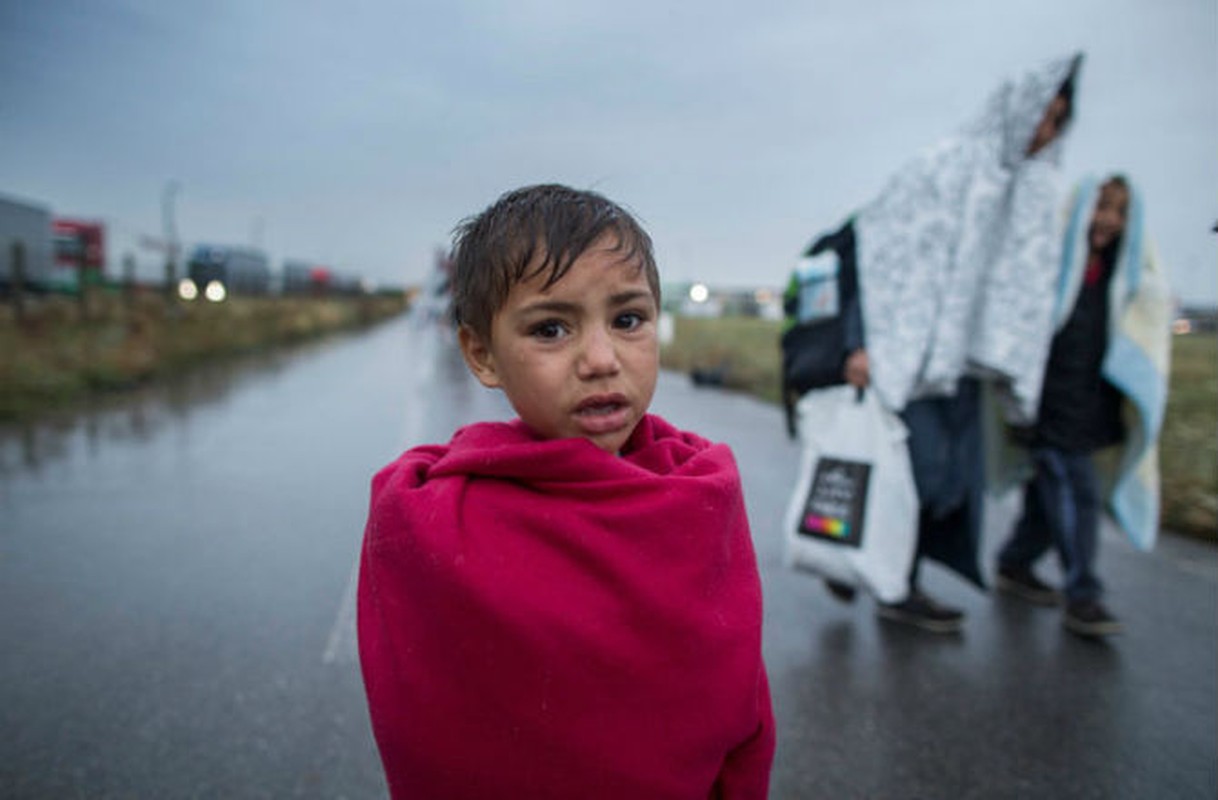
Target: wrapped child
[568, 604]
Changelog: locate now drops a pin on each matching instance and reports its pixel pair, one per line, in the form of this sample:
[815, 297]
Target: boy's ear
[478, 357]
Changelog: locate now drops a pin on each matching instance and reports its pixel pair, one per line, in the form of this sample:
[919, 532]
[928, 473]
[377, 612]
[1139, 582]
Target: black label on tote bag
[836, 502]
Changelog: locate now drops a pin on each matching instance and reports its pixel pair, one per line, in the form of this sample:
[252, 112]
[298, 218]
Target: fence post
[129, 280]
[82, 289]
[17, 279]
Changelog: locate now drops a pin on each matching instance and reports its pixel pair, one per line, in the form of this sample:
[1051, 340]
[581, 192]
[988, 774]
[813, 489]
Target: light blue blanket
[1137, 359]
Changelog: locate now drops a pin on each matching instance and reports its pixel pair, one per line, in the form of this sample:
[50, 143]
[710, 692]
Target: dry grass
[1189, 446]
[59, 352]
[743, 349]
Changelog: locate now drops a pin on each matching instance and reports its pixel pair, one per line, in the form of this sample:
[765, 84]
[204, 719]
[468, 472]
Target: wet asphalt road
[177, 619]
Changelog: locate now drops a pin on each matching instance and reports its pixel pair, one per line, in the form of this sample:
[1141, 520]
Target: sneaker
[1023, 583]
[842, 591]
[1090, 618]
[923, 612]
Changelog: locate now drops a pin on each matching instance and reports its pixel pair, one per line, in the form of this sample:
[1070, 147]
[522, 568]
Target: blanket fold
[958, 253]
[544, 619]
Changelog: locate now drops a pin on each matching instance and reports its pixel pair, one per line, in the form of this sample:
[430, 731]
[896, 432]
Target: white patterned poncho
[959, 255]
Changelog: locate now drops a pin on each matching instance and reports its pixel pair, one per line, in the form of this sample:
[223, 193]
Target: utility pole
[129, 280]
[170, 235]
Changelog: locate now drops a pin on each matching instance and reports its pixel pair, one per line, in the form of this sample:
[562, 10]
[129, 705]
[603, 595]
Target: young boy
[1105, 385]
[566, 605]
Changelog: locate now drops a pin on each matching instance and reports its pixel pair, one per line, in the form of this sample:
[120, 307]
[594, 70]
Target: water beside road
[176, 616]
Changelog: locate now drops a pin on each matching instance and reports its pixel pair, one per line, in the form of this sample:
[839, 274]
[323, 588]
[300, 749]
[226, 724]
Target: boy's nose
[598, 355]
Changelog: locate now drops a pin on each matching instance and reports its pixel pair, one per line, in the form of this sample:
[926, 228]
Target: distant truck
[28, 226]
[219, 271]
[307, 278]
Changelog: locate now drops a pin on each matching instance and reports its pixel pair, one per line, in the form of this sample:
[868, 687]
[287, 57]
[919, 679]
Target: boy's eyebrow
[567, 307]
[548, 306]
[621, 298]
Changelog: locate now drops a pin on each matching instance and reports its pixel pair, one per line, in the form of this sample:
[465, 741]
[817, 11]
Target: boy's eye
[550, 329]
[628, 320]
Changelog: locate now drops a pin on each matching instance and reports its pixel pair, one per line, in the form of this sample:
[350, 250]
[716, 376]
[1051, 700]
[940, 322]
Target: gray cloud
[359, 133]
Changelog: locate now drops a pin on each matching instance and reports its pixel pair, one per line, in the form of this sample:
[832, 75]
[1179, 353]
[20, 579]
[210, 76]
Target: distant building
[28, 226]
[80, 250]
[1195, 319]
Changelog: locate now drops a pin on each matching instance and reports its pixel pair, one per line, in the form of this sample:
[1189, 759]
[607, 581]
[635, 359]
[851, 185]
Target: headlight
[215, 292]
[187, 289]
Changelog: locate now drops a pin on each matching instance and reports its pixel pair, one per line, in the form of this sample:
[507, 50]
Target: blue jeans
[949, 472]
[1061, 508]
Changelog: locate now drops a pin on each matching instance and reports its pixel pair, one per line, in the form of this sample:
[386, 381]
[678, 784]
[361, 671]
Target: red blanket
[542, 619]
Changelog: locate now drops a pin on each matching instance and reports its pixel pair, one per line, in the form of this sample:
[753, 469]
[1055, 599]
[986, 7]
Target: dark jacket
[1079, 410]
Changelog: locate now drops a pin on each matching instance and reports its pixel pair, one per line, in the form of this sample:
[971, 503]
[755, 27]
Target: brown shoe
[1023, 583]
[1089, 618]
[922, 612]
[841, 591]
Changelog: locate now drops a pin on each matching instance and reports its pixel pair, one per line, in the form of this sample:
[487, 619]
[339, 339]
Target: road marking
[343, 646]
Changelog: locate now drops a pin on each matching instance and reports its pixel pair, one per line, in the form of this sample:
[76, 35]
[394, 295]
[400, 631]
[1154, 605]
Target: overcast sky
[358, 133]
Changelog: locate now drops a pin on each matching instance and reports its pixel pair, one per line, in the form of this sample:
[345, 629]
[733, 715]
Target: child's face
[1108, 223]
[580, 358]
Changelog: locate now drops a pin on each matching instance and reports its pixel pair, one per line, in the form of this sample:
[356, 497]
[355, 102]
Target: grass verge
[55, 355]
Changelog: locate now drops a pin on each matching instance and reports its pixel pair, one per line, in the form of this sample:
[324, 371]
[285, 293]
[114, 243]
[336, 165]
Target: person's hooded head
[1027, 117]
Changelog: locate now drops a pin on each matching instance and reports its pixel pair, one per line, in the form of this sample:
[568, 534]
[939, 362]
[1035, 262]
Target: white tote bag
[854, 512]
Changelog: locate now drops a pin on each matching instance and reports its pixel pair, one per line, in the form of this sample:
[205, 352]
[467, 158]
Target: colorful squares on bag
[829, 526]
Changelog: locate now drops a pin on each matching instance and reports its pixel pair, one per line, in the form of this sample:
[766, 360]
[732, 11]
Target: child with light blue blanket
[1105, 389]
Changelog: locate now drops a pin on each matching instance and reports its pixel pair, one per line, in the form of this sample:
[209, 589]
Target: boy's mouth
[602, 413]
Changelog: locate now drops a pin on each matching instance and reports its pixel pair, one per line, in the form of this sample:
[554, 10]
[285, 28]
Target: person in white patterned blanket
[957, 258]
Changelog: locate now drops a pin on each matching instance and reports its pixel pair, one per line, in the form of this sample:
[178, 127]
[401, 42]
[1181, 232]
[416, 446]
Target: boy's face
[1108, 223]
[580, 358]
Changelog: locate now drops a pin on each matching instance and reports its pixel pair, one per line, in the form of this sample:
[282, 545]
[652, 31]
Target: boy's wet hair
[536, 230]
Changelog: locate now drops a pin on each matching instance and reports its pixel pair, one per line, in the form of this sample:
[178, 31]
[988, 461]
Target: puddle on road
[140, 414]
